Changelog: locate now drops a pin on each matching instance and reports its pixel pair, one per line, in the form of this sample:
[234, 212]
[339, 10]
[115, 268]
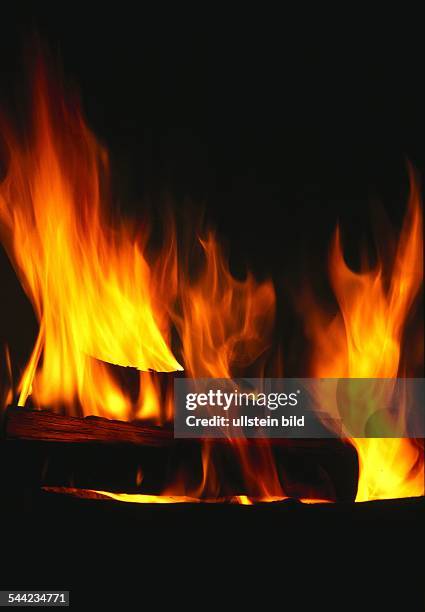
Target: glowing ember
[138, 498]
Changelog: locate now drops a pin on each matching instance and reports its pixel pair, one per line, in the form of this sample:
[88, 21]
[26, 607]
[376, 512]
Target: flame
[225, 322]
[149, 396]
[86, 274]
[364, 340]
[226, 325]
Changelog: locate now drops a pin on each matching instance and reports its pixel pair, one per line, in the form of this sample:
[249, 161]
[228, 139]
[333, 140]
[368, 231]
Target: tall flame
[364, 341]
[87, 275]
[226, 325]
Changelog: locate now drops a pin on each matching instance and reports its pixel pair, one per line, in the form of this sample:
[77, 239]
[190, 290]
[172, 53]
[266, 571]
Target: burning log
[46, 426]
[47, 449]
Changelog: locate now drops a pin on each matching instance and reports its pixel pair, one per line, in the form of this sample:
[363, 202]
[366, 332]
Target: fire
[100, 300]
[226, 323]
[85, 273]
[102, 297]
[364, 340]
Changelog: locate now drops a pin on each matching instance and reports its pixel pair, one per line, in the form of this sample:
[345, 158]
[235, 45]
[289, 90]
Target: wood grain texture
[46, 426]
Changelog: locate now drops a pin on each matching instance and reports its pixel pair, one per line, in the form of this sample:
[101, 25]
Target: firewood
[50, 449]
[46, 426]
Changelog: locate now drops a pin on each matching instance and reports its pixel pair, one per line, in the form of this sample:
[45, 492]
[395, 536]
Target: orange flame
[364, 341]
[226, 325]
[88, 279]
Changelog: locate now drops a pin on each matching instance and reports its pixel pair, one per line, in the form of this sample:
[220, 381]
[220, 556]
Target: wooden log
[43, 448]
[46, 426]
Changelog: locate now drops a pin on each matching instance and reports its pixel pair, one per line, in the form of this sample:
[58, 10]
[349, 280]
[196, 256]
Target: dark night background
[280, 127]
